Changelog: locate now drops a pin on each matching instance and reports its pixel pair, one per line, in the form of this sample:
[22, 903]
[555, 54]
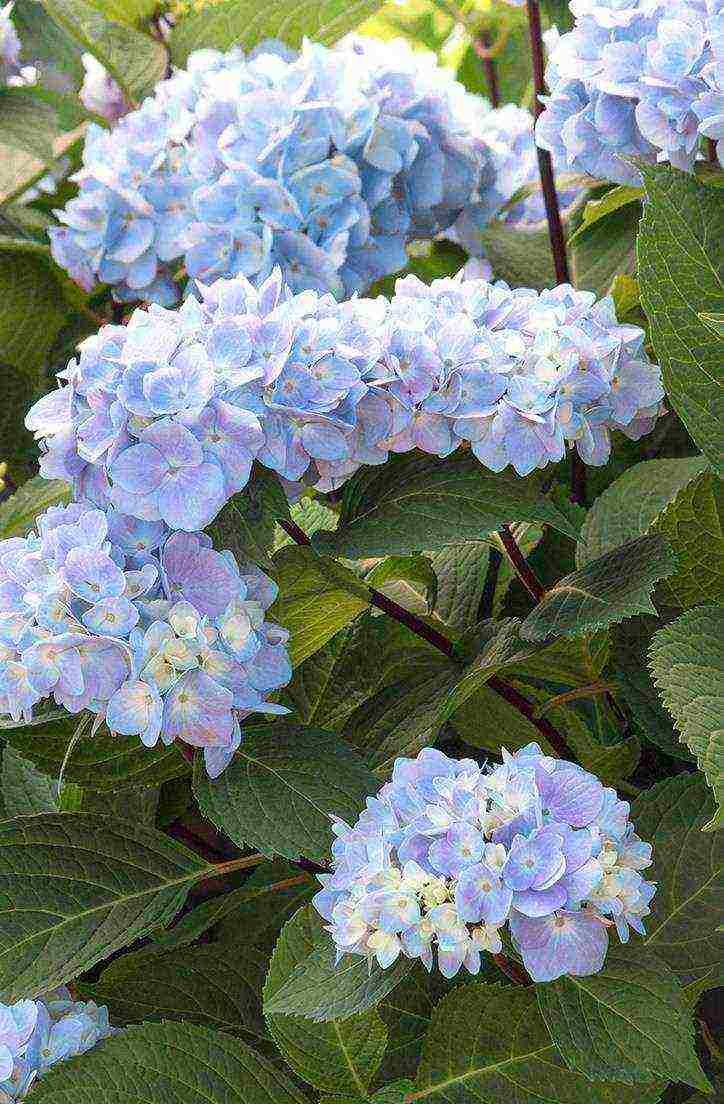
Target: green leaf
[334, 1055]
[632, 504]
[24, 789]
[627, 1023]
[416, 503]
[520, 257]
[317, 598]
[607, 249]
[135, 60]
[403, 717]
[490, 1045]
[168, 1063]
[76, 887]
[687, 662]
[389, 1094]
[414, 570]
[608, 589]
[27, 122]
[266, 903]
[320, 990]
[282, 788]
[139, 806]
[596, 209]
[32, 310]
[631, 640]
[216, 985]
[245, 23]
[687, 868]
[349, 669]
[17, 447]
[680, 274]
[715, 322]
[51, 48]
[692, 524]
[132, 12]
[461, 571]
[247, 524]
[497, 644]
[101, 762]
[626, 294]
[310, 514]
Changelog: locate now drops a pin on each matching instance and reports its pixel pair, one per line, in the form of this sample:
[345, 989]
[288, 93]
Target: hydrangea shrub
[360, 632]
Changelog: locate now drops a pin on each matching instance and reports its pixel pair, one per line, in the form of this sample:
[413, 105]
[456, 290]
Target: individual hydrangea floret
[155, 633]
[324, 162]
[448, 853]
[634, 78]
[100, 93]
[37, 1034]
[163, 418]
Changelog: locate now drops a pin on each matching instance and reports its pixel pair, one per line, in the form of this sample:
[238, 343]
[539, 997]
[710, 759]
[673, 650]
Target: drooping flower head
[638, 78]
[163, 418]
[448, 853]
[37, 1034]
[155, 633]
[324, 162]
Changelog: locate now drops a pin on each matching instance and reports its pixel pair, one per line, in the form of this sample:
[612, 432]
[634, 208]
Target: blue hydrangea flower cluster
[37, 1034]
[9, 45]
[507, 133]
[155, 633]
[324, 162]
[635, 78]
[161, 419]
[449, 852]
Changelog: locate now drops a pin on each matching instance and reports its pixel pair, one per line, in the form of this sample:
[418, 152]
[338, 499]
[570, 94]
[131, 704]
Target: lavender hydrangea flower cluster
[449, 852]
[37, 1034]
[635, 78]
[324, 162]
[155, 633]
[161, 419]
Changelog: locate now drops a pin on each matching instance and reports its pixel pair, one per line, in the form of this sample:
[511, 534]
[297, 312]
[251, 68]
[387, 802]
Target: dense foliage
[361, 553]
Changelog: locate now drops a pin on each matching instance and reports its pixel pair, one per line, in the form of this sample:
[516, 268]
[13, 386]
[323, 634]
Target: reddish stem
[481, 45]
[523, 570]
[511, 969]
[437, 640]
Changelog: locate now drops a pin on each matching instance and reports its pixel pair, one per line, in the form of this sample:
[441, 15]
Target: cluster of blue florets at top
[635, 78]
[162, 418]
[448, 853]
[154, 632]
[37, 1034]
[324, 162]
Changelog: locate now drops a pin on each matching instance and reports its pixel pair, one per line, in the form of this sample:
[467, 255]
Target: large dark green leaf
[608, 589]
[627, 1023]
[215, 985]
[17, 447]
[680, 272]
[283, 787]
[245, 23]
[102, 762]
[687, 662]
[633, 503]
[32, 309]
[24, 789]
[321, 989]
[416, 503]
[692, 524]
[333, 1055]
[317, 598]
[490, 1045]
[688, 865]
[76, 887]
[168, 1063]
[135, 60]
